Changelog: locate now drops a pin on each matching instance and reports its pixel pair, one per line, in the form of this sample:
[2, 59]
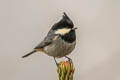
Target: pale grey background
[24, 23]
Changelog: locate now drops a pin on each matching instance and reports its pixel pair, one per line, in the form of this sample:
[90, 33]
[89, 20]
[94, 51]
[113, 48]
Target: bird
[60, 41]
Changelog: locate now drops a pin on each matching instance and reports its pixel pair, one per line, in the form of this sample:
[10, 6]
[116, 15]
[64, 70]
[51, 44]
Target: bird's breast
[59, 48]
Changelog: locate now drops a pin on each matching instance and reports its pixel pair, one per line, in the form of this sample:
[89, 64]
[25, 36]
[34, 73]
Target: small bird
[60, 40]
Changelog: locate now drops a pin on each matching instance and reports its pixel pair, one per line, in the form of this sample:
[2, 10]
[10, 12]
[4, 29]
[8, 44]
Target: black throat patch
[69, 37]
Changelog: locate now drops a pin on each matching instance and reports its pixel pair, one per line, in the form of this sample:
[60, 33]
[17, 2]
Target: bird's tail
[29, 54]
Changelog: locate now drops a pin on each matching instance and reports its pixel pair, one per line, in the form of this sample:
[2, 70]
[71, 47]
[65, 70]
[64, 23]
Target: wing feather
[47, 40]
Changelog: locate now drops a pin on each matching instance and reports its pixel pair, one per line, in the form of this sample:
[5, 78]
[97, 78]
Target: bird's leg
[55, 61]
[69, 59]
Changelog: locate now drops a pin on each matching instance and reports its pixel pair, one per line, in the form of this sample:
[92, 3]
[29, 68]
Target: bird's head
[65, 22]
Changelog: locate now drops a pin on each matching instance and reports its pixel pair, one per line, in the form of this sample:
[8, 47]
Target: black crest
[65, 22]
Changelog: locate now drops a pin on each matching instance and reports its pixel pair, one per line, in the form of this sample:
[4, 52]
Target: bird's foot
[56, 62]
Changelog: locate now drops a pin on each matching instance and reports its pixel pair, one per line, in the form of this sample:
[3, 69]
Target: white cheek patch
[62, 31]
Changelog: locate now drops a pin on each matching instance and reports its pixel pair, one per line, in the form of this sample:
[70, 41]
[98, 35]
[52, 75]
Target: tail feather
[29, 54]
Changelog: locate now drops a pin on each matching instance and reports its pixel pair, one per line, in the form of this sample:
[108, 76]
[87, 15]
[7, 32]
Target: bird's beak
[74, 28]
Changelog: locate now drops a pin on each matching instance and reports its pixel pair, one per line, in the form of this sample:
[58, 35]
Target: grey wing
[47, 41]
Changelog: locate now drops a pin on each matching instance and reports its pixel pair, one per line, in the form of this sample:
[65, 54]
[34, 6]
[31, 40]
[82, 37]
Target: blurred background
[24, 23]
